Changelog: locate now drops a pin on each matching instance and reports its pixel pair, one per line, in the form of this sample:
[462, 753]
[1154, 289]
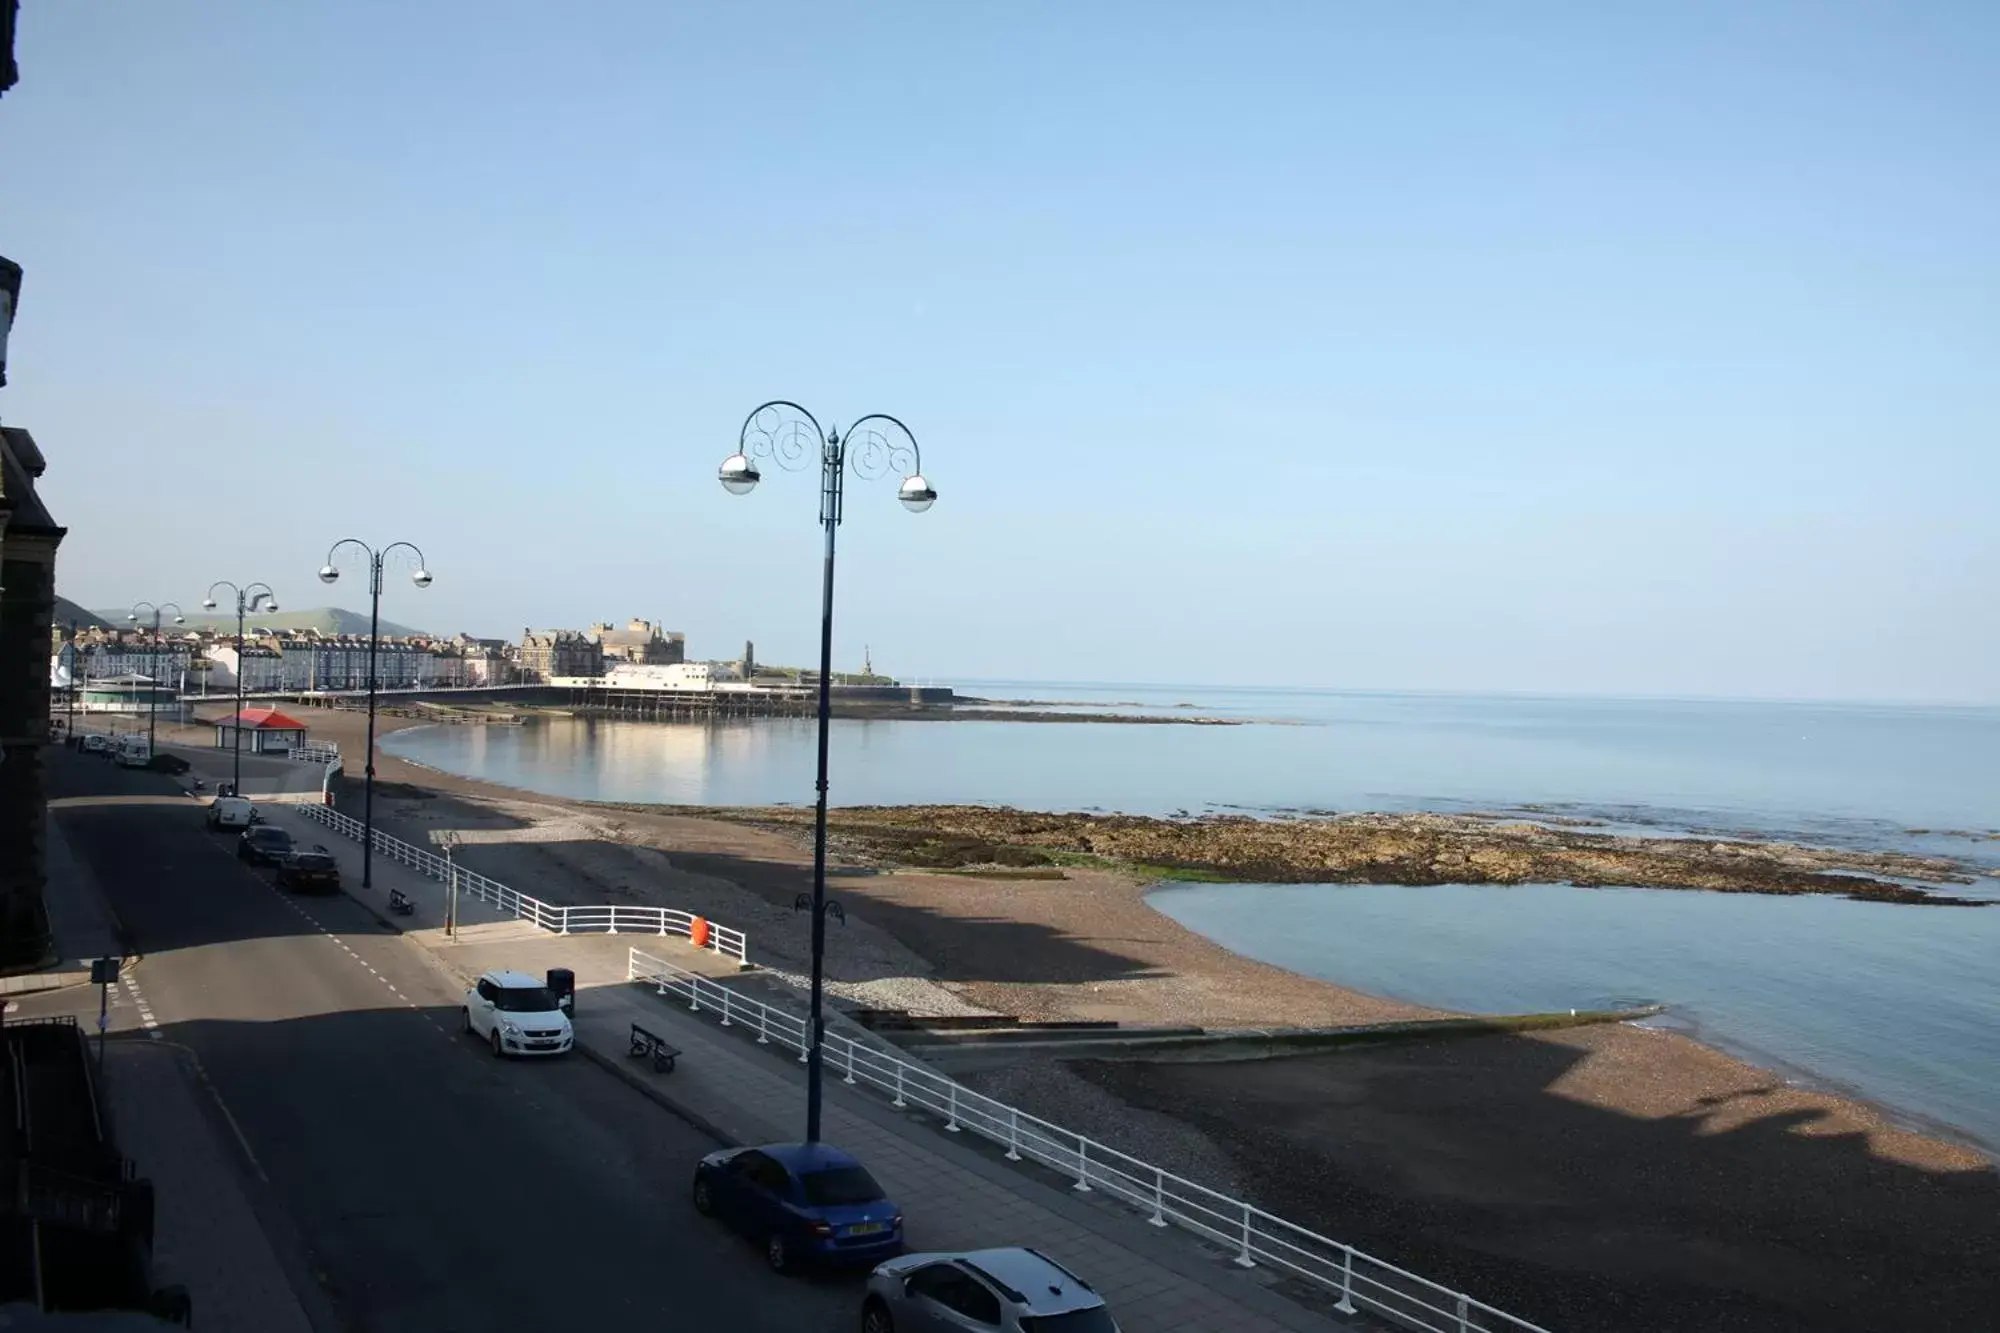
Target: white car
[231, 812]
[95, 744]
[516, 1014]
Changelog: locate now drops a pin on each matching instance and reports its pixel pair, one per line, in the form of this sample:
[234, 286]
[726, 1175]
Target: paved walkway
[206, 1234]
[81, 921]
[954, 1198]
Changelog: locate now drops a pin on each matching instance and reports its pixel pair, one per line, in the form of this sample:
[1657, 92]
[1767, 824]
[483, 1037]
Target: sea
[1896, 1004]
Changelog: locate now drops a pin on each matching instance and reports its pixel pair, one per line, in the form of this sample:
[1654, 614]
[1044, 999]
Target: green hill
[325, 619]
[67, 611]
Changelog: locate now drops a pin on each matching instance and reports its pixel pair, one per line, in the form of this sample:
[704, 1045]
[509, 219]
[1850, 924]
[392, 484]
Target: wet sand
[1603, 1178]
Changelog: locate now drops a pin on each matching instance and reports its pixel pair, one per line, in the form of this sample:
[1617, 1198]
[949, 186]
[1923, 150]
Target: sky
[1645, 348]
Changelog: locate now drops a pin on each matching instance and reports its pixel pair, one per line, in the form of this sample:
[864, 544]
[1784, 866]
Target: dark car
[310, 872]
[806, 1203]
[168, 763]
[263, 845]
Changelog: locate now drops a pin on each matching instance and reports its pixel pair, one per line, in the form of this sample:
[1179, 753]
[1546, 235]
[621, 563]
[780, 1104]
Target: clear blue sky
[1631, 348]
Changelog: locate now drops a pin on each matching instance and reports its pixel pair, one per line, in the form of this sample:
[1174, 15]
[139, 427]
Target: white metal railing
[1361, 1281]
[316, 752]
[724, 940]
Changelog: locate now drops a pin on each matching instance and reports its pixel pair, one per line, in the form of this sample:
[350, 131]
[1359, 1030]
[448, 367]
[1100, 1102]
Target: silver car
[1011, 1291]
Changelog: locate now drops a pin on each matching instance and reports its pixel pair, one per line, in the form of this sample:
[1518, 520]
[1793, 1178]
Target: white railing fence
[1361, 1281]
[616, 920]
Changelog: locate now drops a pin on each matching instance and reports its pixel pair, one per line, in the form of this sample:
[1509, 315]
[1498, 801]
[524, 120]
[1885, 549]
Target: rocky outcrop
[1375, 849]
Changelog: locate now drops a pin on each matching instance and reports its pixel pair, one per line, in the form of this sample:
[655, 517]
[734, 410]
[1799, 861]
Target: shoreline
[1443, 1155]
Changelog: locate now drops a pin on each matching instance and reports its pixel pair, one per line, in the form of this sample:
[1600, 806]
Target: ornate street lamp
[875, 447]
[152, 664]
[256, 597]
[422, 578]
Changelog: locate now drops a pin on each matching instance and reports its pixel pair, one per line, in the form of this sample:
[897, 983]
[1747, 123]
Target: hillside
[67, 611]
[325, 619]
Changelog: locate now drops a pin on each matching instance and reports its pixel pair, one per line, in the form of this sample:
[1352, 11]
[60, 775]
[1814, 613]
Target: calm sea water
[1896, 1002]
[1900, 1004]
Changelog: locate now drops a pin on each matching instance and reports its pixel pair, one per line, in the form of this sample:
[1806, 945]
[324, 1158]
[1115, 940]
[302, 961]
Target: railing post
[951, 1120]
[805, 1041]
[613, 929]
[898, 1100]
[763, 1012]
[1159, 1217]
[1013, 1134]
[726, 993]
[565, 925]
[1243, 1259]
[1346, 1303]
[663, 921]
[849, 1080]
[1464, 1315]
[1082, 1185]
[694, 995]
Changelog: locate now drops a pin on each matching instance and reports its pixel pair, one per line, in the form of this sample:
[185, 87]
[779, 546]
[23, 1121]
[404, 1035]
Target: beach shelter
[264, 729]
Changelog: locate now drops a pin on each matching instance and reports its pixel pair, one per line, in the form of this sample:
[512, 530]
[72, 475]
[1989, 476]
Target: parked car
[312, 871]
[95, 744]
[1010, 1291]
[168, 763]
[806, 1203]
[517, 1015]
[231, 812]
[262, 844]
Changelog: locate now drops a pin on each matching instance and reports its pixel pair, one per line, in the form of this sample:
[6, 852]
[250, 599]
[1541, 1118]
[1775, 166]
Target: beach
[1614, 1177]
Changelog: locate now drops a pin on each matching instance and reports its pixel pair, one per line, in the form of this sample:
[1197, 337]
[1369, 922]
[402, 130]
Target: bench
[400, 904]
[663, 1052]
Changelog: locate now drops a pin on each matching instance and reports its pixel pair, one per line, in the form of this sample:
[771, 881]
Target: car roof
[799, 1158]
[1035, 1280]
[506, 978]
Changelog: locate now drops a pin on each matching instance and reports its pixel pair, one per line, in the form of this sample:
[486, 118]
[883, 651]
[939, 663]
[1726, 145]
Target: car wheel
[704, 1197]
[499, 1051]
[777, 1253]
[875, 1318]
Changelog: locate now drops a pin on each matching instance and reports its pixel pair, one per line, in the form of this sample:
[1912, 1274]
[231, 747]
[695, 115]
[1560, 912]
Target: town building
[29, 536]
[340, 662]
[262, 667]
[640, 642]
[547, 654]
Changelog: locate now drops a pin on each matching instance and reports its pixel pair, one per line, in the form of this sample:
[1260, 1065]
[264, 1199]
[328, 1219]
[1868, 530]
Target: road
[427, 1185]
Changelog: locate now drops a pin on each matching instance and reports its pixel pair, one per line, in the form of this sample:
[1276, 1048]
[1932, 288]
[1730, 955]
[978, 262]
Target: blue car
[807, 1203]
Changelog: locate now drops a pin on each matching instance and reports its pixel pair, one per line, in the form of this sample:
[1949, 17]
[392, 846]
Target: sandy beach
[1610, 1177]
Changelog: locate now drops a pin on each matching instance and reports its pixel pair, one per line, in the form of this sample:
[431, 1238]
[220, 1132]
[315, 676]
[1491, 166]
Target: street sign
[103, 971]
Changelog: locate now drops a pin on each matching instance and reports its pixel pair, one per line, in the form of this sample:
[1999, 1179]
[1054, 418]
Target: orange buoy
[698, 932]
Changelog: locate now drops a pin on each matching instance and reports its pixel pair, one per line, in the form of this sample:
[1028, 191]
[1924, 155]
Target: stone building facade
[641, 643]
[29, 536]
[559, 652]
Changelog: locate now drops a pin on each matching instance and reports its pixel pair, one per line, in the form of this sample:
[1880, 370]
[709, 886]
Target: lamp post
[787, 434]
[256, 597]
[153, 662]
[69, 725]
[422, 578]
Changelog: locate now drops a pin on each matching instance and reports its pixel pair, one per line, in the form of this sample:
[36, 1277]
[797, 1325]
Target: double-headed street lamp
[874, 447]
[153, 662]
[422, 578]
[256, 597]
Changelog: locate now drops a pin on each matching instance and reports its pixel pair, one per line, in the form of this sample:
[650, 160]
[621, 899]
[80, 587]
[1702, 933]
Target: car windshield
[524, 999]
[312, 861]
[838, 1185]
[1097, 1319]
[271, 837]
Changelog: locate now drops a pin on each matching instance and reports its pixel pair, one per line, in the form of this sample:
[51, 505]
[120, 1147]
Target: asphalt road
[425, 1185]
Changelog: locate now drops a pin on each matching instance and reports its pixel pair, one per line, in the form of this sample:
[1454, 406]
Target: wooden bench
[400, 904]
[663, 1052]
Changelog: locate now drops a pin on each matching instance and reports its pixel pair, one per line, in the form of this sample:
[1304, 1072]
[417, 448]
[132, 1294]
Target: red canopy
[265, 719]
